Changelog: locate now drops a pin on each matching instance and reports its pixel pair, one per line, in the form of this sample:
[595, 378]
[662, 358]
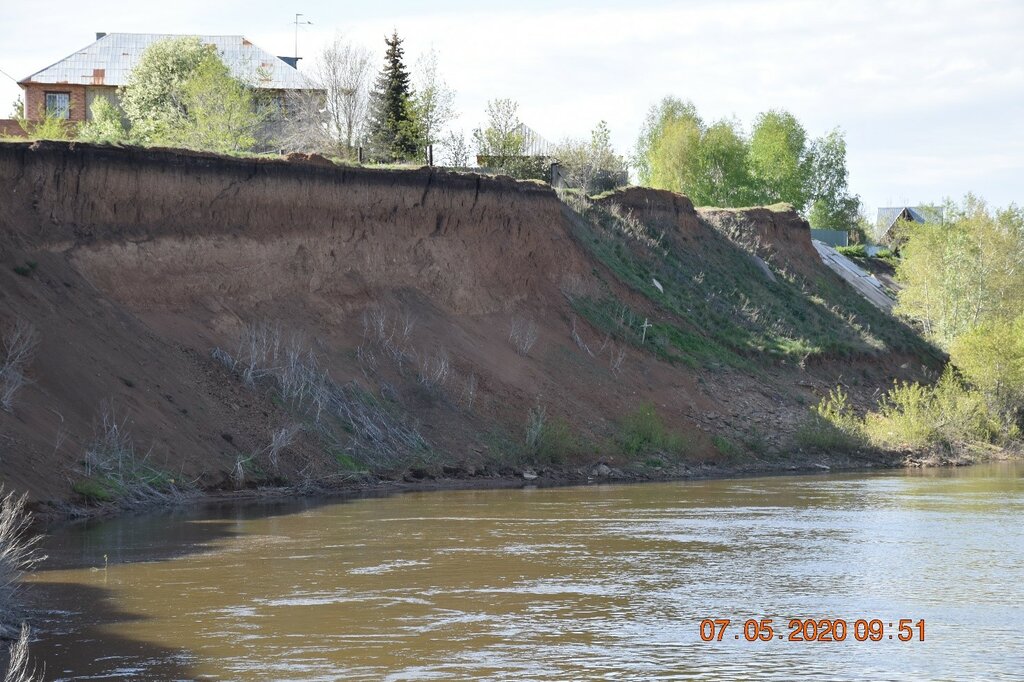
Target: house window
[58, 104]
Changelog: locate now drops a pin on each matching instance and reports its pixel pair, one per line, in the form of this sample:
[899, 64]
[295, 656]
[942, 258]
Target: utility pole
[297, 22]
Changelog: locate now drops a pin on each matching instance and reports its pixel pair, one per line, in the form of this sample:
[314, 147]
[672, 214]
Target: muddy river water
[591, 583]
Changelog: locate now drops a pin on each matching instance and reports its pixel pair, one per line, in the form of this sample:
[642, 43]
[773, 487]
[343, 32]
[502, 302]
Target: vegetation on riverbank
[19, 663]
[717, 164]
[18, 554]
[963, 284]
[720, 307]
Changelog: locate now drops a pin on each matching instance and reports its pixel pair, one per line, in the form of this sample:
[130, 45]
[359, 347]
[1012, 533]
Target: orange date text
[812, 630]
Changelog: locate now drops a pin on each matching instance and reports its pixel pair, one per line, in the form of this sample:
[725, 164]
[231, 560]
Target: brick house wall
[35, 100]
[11, 128]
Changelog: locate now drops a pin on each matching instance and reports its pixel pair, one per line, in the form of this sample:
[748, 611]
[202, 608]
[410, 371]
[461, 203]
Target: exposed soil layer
[135, 264]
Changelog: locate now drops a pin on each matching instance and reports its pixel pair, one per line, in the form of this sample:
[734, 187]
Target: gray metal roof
[533, 143]
[110, 59]
[919, 214]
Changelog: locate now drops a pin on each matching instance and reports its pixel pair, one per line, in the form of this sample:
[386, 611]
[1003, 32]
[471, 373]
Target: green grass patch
[26, 269]
[643, 433]
[854, 251]
[717, 307]
[344, 460]
[727, 448]
[556, 442]
[94, 490]
[139, 482]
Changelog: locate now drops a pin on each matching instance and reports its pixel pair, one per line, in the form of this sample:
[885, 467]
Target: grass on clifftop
[719, 306]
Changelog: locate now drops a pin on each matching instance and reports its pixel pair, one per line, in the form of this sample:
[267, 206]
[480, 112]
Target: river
[586, 583]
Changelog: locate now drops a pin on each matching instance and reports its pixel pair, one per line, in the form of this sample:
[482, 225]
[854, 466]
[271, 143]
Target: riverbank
[212, 323]
[529, 477]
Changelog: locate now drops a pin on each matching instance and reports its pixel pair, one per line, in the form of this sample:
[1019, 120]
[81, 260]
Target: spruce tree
[393, 129]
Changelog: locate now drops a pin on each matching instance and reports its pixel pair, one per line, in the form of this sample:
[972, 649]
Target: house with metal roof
[67, 88]
[889, 216]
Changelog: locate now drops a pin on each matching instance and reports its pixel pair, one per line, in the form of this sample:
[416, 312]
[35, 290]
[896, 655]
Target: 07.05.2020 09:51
[817, 630]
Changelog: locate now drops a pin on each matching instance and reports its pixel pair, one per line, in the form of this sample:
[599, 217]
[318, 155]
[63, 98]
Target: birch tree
[434, 100]
[330, 116]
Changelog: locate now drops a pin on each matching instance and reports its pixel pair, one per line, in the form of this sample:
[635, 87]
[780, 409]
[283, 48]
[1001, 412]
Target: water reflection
[569, 584]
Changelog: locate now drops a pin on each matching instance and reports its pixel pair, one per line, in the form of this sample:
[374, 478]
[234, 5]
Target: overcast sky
[930, 94]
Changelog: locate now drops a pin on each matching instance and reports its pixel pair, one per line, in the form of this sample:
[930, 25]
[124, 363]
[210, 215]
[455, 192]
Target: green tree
[708, 164]
[722, 177]
[718, 165]
[222, 114]
[104, 124]
[503, 136]
[394, 131]
[455, 150]
[668, 111]
[49, 127]
[991, 356]
[153, 97]
[182, 94]
[831, 204]
[434, 99]
[674, 156]
[779, 164]
[963, 272]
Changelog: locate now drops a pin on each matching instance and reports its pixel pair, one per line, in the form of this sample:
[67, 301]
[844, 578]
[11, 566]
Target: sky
[930, 94]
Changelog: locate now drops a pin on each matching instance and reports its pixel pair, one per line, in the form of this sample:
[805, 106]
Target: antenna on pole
[297, 22]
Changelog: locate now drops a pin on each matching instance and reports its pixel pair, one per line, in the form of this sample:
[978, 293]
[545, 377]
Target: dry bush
[18, 553]
[578, 340]
[19, 345]
[238, 471]
[19, 668]
[574, 286]
[280, 440]
[469, 394]
[116, 473]
[392, 334]
[577, 201]
[346, 416]
[434, 368]
[617, 356]
[523, 334]
[612, 215]
[535, 424]
[629, 224]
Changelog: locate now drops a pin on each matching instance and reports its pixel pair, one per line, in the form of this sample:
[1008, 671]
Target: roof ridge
[115, 54]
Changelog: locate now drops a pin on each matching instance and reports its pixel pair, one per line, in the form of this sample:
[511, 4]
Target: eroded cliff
[455, 308]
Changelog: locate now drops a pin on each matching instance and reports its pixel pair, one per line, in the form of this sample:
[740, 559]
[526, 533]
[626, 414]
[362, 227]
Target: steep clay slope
[135, 264]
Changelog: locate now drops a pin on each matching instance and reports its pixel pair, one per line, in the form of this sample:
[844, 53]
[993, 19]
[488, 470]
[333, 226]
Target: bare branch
[19, 345]
[522, 335]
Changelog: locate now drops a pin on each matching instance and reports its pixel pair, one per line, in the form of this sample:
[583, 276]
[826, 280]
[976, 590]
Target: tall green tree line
[717, 164]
